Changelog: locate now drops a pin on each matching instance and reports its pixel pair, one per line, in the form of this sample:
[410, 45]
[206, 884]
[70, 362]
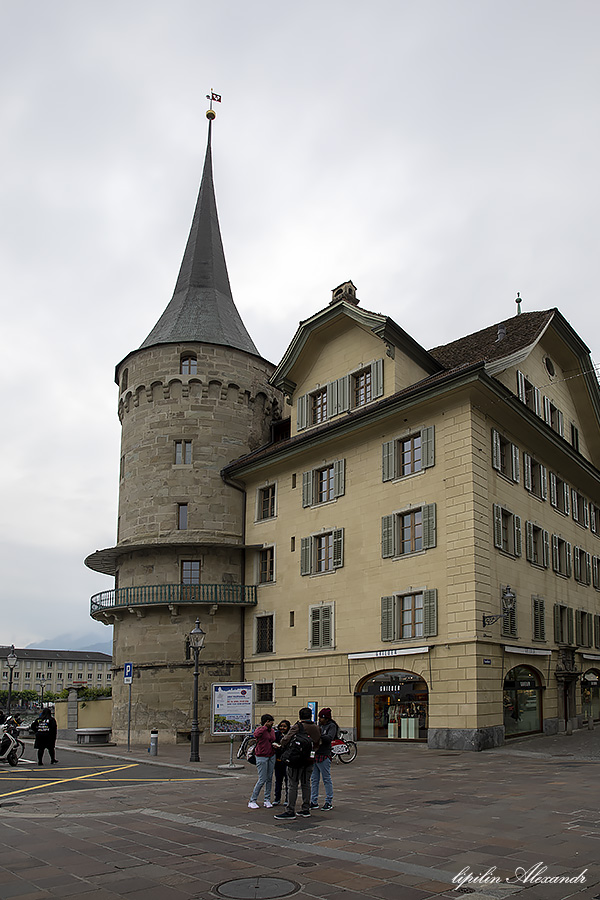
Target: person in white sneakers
[264, 751]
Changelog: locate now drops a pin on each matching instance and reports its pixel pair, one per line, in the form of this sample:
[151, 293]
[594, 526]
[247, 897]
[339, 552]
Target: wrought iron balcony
[173, 595]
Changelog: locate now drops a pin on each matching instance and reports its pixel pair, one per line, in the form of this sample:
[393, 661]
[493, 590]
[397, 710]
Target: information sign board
[231, 708]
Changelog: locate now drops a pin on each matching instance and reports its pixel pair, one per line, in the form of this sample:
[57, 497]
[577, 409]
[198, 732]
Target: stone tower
[192, 398]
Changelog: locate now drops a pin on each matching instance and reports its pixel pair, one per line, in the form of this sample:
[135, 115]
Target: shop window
[507, 530]
[408, 531]
[538, 618]
[183, 453]
[535, 477]
[580, 509]
[559, 494]
[393, 706]
[264, 634]
[410, 615]
[561, 556]
[590, 695]
[537, 545]
[266, 502]
[564, 632]
[582, 565]
[321, 626]
[324, 484]
[266, 571]
[522, 702]
[584, 628]
[553, 417]
[408, 455]
[323, 552]
[505, 457]
[264, 692]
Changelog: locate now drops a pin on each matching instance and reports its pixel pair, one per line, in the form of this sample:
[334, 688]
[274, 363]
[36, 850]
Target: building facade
[55, 670]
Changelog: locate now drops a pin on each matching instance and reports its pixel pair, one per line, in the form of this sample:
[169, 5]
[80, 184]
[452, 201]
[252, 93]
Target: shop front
[522, 702]
[590, 694]
[392, 705]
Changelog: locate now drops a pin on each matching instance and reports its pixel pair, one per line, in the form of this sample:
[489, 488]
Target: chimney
[345, 291]
[501, 332]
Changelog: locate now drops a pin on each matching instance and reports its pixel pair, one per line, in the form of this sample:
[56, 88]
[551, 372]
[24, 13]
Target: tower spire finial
[517, 300]
[210, 113]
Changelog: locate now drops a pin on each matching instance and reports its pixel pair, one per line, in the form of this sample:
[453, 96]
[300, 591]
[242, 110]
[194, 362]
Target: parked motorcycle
[10, 742]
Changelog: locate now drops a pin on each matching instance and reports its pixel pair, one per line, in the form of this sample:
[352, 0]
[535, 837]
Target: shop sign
[375, 654]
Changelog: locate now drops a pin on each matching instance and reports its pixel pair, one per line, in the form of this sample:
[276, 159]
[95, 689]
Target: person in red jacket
[264, 751]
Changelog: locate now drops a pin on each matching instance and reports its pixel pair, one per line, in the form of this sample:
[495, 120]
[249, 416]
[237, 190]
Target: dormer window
[318, 406]
[188, 364]
[361, 387]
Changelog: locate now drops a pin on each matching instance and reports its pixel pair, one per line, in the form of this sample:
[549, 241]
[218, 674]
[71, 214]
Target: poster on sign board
[231, 709]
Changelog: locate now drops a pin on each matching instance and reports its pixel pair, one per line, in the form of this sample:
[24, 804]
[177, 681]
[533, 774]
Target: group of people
[299, 756]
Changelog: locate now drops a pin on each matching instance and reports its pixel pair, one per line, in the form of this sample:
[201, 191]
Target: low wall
[72, 714]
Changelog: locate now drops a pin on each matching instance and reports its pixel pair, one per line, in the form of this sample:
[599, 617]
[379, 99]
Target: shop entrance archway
[522, 701]
[392, 706]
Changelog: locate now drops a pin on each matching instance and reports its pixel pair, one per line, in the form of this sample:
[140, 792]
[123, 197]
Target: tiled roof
[484, 346]
[67, 655]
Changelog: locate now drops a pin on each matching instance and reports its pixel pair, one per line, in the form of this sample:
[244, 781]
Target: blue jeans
[264, 767]
[321, 770]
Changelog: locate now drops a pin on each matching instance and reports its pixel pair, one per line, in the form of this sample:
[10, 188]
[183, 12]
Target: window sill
[410, 555]
[266, 519]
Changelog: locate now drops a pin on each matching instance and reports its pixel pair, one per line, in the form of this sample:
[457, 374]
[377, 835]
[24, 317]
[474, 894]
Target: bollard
[153, 749]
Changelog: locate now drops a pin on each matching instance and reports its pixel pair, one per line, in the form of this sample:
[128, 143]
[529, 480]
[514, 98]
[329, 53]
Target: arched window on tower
[188, 364]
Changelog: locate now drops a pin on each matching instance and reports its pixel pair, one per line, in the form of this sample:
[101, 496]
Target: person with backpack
[299, 746]
[322, 766]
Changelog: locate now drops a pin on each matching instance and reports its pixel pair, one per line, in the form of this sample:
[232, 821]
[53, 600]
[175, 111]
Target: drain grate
[306, 865]
[262, 887]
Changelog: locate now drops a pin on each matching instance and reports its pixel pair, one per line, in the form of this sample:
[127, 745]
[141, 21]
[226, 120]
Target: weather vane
[210, 113]
[517, 301]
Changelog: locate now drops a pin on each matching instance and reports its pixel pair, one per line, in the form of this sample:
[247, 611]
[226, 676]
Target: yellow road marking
[98, 775]
[66, 780]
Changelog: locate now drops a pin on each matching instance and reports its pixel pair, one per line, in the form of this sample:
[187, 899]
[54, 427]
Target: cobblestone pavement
[406, 821]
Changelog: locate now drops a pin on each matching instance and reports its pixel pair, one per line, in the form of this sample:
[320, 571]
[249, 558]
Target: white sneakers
[268, 804]
[252, 805]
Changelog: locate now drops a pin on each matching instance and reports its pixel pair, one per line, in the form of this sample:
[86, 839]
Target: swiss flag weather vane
[210, 114]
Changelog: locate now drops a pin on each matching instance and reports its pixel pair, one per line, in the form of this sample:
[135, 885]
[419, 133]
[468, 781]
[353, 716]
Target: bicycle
[344, 751]
[246, 746]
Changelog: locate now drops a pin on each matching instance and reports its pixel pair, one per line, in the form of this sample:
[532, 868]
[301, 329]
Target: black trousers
[299, 778]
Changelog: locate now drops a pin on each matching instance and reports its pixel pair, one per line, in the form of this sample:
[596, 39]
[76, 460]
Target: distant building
[409, 536]
[56, 669]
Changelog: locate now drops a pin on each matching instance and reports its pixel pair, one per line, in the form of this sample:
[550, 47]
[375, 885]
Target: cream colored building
[55, 670]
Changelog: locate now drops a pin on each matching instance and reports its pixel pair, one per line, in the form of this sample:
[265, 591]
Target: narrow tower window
[189, 364]
[182, 516]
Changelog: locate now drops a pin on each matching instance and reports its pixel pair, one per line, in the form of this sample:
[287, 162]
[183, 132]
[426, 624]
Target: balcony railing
[173, 594]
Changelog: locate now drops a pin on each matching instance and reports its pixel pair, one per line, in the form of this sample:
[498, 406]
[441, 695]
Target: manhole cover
[263, 887]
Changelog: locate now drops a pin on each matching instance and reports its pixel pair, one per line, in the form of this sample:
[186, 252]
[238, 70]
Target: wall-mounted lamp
[508, 604]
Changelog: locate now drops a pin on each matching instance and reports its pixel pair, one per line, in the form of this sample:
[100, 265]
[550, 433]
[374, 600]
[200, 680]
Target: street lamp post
[196, 642]
[11, 659]
[40, 684]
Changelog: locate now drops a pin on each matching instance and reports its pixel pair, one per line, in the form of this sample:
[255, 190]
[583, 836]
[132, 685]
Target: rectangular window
[318, 406]
[537, 541]
[264, 692]
[27, 675]
[594, 513]
[580, 509]
[354, 389]
[575, 437]
[582, 565]
[507, 530]
[321, 626]
[361, 387]
[408, 531]
[583, 628]
[560, 494]
[323, 552]
[561, 556]
[183, 453]
[505, 457]
[553, 417]
[410, 615]
[408, 455]
[182, 516]
[538, 618]
[190, 571]
[264, 634]
[324, 484]
[529, 394]
[266, 502]
[535, 477]
[266, 565]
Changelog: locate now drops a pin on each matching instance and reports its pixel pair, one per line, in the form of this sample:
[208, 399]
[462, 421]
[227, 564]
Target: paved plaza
[406, 821]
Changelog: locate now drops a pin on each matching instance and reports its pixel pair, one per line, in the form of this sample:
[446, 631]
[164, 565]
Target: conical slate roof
[202, 307]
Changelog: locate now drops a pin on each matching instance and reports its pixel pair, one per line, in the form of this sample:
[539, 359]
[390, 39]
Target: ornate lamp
[196, 642]
[508, 604]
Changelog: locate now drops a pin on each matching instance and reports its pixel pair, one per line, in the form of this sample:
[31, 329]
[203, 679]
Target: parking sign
[128, 673]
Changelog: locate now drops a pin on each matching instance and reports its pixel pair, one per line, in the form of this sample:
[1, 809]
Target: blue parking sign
[128, 673]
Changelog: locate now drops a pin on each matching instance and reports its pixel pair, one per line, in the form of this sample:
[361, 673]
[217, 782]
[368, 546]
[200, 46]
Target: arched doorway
[392, 706]
[590, 694]
[522, 701]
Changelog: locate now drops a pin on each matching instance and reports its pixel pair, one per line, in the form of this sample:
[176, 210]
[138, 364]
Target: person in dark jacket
[264, 751]
[280, 767]
[322, 767]
[45, 736]
[300, 776]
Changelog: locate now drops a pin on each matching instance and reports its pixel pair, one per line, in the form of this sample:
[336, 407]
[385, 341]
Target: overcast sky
[442, 154]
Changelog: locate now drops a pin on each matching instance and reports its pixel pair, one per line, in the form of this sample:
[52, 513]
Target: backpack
[298, 753]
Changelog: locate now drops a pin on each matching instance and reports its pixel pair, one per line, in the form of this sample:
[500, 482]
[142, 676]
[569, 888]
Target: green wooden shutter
[302, 412]
[560, 421]
[338, 548]
[578, 627]
[557, 623]
[497, 526]
[577, 563]
[517, 534]
[527, 471]
[496, 451]
[305, 556]
[544, 482]
[555, 556]
[597, 631]
[589, 632]
[377, 378]
[568, 558]
[546, 557]
[574, 505]
[514, 453]
[388, 618]
[429, 530]
[595, 572]
[430, 612]
[339, 477]
[521, 387]
[332, 399]
[529, 541]
[428, 446]
[343, 399]
[307, 489]
[388, 461]
[588, 568]
[326, 626]
[553, 490]
[569, 625]
[315, 626]
[388, 548]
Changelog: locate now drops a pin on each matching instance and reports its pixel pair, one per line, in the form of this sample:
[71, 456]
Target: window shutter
[574, 505]
[596, 631]
[546, 558]
[529, 541]
[377, 377]
[586, 514]
[338, 548]
[521, 387]
[553, 491]
[430, 613]
[388, 461]
[566, 496]
[315, 626]
[578, 627]
[517, 526]
[537, 398]
[569, 625]
[555, 558]
[429, 536]
[302, 412]
[547, 411]
[343, 394]
[539, 619]
[496, 451]
[339, 477]
[589, 631]
[560, 422]
[428, 446]
[577, 563]
[332, 399]
[588, 568]
[544, 482]
[305, 556]
[497, 526]
[557, 628]
[527, 471]
[388, 618]
[592, 515]
[595, 572]
[515, 463]
[307, 488]
[568, 557]
[326, 626]
[387, 537]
